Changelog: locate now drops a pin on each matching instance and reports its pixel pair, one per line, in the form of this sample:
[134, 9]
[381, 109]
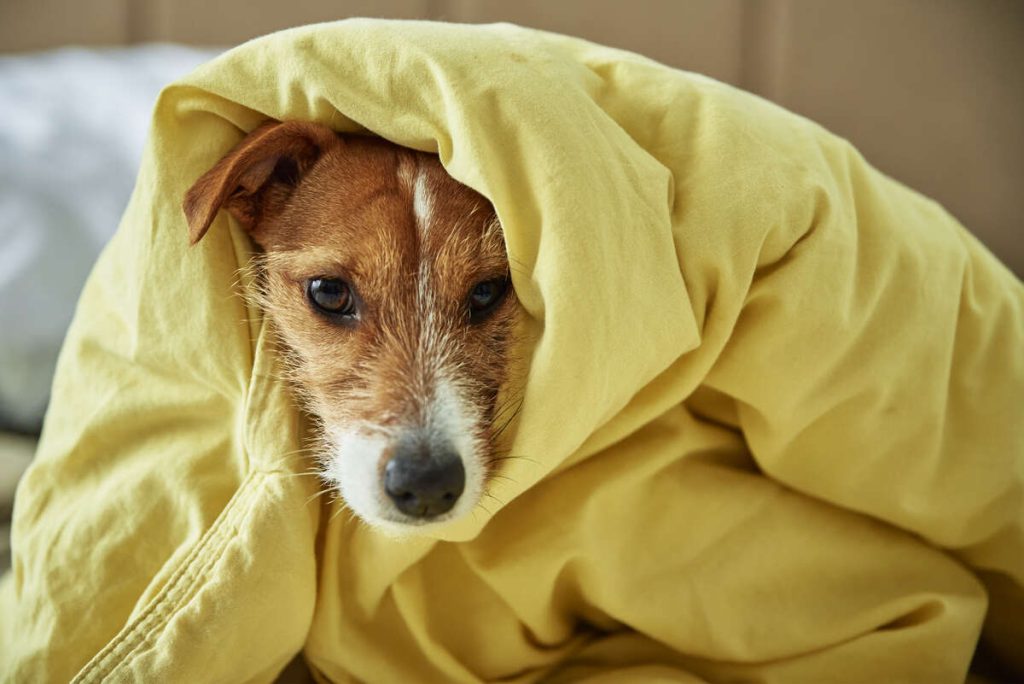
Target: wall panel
[932, 91]
[697, 35]
[39, 24]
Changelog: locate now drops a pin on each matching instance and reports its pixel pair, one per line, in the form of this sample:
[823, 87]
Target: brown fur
[320, 205]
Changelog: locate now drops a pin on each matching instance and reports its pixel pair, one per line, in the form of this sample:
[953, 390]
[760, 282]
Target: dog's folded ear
[257, 176]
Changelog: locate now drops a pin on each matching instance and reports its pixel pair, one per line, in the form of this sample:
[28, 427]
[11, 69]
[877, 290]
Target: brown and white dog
[387, 282]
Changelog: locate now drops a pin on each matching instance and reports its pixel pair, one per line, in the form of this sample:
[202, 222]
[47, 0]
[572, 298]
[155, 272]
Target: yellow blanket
[772, 427]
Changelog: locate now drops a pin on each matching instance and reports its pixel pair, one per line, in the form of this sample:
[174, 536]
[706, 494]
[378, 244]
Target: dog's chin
[391, 522]
[404, 527]
[352, 466]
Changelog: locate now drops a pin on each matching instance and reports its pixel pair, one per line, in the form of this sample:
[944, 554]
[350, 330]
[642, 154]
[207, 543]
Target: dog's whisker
[316, 496]
[507, 406]
[517, 458]
[338, 509]
[496, 436]
[292, 475]
[505, 415]
[499, 501]
[522, 272]
[515, 261]
[514, 414]
[299, 450]
[291, 460]
[303, 451]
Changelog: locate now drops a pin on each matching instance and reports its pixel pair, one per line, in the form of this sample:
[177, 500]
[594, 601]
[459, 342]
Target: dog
[387, 283]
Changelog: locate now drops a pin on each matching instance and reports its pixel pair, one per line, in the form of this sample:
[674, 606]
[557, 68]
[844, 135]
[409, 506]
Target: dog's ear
[257, 176]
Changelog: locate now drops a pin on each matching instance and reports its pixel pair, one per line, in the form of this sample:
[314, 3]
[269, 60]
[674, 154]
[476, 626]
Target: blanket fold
[771, 428]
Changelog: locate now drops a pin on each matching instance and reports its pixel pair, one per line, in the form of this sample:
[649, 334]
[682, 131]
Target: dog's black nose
[424, 482]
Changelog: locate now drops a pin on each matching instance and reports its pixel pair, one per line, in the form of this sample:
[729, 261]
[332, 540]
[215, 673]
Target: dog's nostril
[423, 483]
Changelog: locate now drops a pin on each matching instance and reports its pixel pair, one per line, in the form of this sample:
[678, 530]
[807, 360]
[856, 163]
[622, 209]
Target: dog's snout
[424, 482]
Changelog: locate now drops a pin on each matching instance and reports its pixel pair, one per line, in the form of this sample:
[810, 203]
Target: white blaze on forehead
[422, 203]
[435, 344]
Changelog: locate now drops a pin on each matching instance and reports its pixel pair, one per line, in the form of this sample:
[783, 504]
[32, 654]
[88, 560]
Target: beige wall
[932, 91]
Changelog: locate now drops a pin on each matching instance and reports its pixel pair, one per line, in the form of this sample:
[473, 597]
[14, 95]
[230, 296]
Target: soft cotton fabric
[771, 428]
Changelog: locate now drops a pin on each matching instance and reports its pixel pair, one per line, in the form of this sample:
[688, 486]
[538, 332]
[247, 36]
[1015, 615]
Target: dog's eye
[485, 296]
[331, 296]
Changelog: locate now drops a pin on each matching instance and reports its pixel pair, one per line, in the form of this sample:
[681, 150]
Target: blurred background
[931, 91]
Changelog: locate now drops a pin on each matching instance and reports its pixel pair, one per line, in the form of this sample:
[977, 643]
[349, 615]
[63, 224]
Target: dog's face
[388, 283]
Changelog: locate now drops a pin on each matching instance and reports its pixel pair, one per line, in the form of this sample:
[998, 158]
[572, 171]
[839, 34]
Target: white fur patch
[422, 204]
[355, 464]
[353, 467]
[450, 418]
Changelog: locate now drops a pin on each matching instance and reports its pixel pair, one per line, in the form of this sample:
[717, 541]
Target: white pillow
[73, 126]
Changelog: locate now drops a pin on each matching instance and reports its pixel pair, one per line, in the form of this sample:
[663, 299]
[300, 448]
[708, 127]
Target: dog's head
[388, 283]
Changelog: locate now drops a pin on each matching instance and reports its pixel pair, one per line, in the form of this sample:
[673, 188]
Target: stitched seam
[177, 591]
[230, 531]
[181, 586]
[131, 636]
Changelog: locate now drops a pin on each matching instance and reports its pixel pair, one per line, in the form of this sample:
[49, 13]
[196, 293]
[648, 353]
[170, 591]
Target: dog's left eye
[331, 296]
[485, 296]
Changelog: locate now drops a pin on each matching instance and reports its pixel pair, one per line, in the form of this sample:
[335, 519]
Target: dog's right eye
[331, 296]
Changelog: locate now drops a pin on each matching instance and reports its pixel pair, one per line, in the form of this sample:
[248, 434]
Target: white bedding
[73, 125]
